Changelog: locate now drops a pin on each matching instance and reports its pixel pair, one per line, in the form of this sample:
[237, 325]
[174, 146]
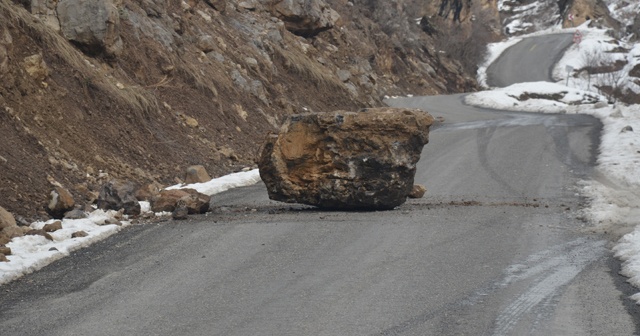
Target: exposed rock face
[304, 17]
[92, 24]
[116, 195]
[345, 160]
[196, 174]
[60, 201]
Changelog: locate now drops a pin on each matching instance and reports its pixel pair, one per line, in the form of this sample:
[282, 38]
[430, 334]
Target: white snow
[31, 253]
[614, 192]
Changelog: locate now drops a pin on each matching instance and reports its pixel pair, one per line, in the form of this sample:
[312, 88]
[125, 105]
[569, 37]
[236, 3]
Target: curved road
[531, 60]
[496, 248]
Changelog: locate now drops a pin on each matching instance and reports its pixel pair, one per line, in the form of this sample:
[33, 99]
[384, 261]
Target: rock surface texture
[345, 160]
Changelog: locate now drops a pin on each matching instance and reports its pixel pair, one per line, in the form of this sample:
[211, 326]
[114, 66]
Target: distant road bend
[495, 248]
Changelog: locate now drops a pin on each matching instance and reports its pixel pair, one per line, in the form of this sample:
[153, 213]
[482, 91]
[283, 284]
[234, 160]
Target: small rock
[75, 214]
[206, 43]
[5, 250]
[344, 75]
[196, 174]
[168, 199]
[180, 212]
[219, 5]
[3, 258]
[599, 105]
[6, 219]
[36, 67]
[60, 202]
[626, 129]
[13, 231]
[79, 234]
[149, 191]
[116, 195]
[53, 249]
[112, 221]
[417, 191]
[39, 233]
[55, 226]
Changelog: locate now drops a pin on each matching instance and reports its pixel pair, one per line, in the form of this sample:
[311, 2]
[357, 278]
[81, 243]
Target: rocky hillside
[140, 89]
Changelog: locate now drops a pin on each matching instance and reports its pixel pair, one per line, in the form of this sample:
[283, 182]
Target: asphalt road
[531, 60]
[497, 247]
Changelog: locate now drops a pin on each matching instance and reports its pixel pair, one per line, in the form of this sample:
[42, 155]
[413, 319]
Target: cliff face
[141, 89]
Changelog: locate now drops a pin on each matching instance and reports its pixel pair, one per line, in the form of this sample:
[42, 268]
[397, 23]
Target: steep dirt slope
[176, 83]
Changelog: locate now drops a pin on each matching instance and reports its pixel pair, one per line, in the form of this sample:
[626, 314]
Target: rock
[6, 219]
[219, 5]
[627, 128]
[181, 211]
[5, 250]
[60, 201]
[4, 239]
[12, 232]
[116, 195]
[196, 203]
[92, 25]
[167, 200]
[345, 160]
[196, 174]
[79, 234]
[417, 191]
[3, 258]
[39, 233]
[344, 75]
[206, 43]
[600, 104]
[304, 17]
[35, 66]
[75, 214]
[247, 5]
[149, 191]
[55, 226]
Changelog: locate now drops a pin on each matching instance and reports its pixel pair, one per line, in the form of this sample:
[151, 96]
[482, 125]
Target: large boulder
[93, 25]
[116, 195]
[304, 17]
[345, 160]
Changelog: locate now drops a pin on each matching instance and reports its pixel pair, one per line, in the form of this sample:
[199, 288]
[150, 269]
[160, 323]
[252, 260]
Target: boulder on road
[195, 202]
[345, 160]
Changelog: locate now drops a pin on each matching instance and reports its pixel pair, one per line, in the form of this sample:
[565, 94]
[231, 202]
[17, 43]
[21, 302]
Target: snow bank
[31, 253]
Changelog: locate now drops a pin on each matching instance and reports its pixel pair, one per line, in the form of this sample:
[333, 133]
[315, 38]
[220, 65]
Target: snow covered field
[31, 253]
[615, 190]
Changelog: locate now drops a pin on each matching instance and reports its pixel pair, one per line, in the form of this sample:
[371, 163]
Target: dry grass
[301, 65]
